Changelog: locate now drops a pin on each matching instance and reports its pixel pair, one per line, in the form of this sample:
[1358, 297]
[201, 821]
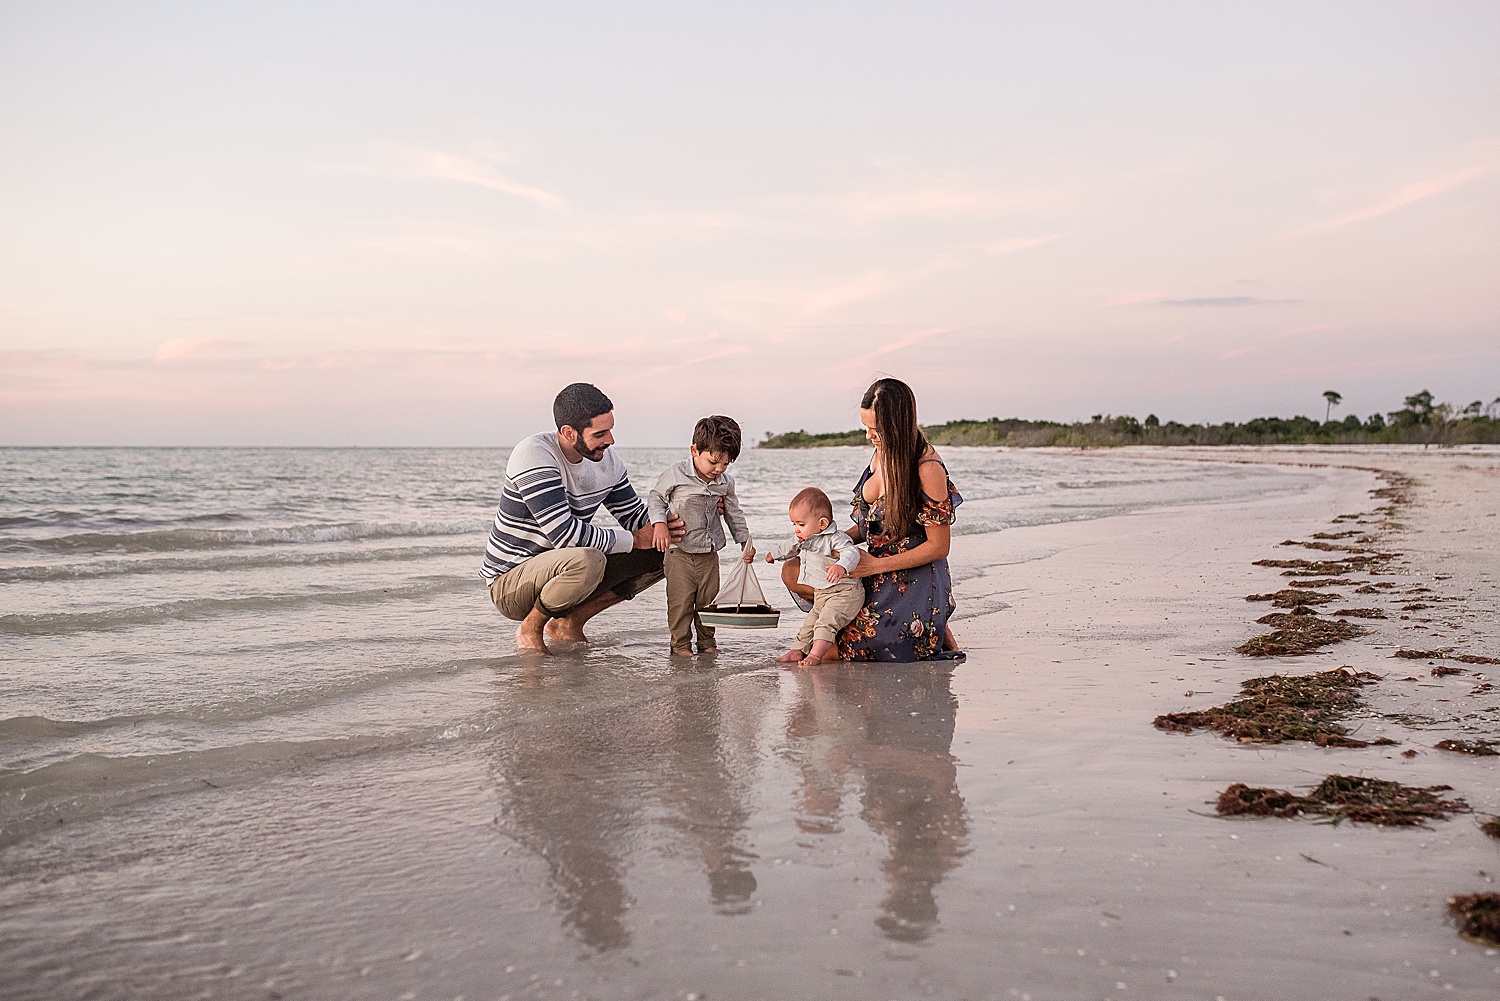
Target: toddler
[695, 489]
[828, 557]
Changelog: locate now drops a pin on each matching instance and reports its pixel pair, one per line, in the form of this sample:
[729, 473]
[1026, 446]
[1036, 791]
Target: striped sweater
[548, 502]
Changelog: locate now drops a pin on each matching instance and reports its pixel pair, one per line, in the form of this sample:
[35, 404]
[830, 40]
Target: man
[548, 567]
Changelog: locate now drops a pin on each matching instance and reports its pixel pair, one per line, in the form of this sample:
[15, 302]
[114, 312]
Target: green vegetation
[1419, 421]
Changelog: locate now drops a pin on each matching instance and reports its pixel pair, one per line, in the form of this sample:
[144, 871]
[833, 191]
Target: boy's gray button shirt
[818, 553]
[679, 491]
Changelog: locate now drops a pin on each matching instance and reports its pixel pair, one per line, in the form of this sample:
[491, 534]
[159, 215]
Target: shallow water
[261, 731]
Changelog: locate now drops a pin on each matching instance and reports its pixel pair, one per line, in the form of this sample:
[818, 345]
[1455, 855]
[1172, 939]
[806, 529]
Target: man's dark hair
[579, 404]
[718, 434]
[815, 502]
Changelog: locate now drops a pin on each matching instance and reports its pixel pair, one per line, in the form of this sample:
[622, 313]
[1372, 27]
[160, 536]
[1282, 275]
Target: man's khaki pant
[833, 608]
[557, 580]
[692, 583]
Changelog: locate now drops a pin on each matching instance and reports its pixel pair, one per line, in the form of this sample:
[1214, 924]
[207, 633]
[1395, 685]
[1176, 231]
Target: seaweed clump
[1291, 597]
[1347, 797]
[1240, 800]
[1474, 658]
[1478, 748]
[1325, 582]
[1283, 707]
[1477, 916]
[1443, 672]
[1491, 827]
[1423, 654]
[1361, 613]
[1299, 635]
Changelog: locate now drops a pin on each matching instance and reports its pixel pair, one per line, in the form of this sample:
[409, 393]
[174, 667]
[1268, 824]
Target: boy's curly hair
[718, 434]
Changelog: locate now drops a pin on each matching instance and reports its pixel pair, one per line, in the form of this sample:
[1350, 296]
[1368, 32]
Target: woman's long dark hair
[902, 444]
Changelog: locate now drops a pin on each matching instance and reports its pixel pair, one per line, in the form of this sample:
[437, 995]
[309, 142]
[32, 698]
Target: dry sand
[1098, 830]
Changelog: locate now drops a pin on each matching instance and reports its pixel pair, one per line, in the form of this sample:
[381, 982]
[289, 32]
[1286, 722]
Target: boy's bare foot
[566, 630]
[708, 649]
[790, 657]
[529, 638]
[682, 653]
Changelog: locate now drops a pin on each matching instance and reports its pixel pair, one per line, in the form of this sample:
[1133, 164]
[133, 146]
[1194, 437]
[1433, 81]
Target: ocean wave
[253, 561]
[176, 539]
[64, 623]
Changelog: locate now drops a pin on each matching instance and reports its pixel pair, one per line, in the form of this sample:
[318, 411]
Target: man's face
[591, 442]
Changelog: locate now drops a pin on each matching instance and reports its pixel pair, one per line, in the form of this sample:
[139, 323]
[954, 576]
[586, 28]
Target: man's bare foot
[790, 657]
[566, 630]
[708, 649]
[529, 638]
[682, 653]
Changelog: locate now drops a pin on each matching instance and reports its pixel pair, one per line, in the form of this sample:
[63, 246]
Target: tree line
[1420, 420]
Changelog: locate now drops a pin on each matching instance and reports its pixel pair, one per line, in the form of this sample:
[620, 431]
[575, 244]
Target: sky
[371, 223]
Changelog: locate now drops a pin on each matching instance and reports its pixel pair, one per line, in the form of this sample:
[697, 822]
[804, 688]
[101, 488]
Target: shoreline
[611, 824]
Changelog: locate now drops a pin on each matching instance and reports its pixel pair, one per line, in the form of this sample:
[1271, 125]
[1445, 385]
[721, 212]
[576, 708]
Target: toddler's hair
[813, 501]
[718, 434]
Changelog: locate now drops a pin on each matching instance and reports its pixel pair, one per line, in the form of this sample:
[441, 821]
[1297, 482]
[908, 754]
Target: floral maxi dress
[906, 611]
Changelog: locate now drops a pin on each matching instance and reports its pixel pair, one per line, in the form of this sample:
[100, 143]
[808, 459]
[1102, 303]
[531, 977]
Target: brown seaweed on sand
[1283, 707]
[1477, 916]
[1478, 748]
[1325, 582]
[1361, 613]
[1474, 658]
[1491, 827]
[1303, 635]
[1291, 597]
[1347, 797]
[1444, 672]
[1423, 654]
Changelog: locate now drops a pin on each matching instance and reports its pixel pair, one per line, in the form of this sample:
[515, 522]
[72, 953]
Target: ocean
[263, 735]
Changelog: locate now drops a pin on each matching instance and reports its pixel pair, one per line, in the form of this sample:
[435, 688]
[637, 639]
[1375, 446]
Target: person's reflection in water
[892, 725]
[705, 782]
[583, 761]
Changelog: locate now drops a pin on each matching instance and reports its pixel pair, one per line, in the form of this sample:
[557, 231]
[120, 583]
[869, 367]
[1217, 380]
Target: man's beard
[592, 456]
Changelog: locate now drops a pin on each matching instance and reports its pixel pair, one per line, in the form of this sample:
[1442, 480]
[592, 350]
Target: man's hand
[750, 554]
[835, 573]
[645, 536]
[660, 537]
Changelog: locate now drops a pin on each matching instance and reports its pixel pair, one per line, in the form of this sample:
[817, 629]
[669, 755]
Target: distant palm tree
[1334, 399]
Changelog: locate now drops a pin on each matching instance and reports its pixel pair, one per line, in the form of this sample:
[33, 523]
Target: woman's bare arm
[934, 480]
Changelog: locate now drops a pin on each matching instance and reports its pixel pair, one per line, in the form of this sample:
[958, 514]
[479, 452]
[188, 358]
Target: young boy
[693, 490]
[828, 557]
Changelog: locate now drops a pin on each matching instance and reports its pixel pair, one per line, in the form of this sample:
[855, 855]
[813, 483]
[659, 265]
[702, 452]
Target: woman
[904, 508]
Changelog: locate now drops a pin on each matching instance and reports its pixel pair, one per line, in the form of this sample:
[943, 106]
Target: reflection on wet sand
[585, 780]
[598, 774]
[891, 725]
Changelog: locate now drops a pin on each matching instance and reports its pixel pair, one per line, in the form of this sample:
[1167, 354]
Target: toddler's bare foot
[810, 661]
[950, 642]
[790, 657]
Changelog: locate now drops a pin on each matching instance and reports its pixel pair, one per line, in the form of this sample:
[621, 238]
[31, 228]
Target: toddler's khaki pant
[692, 583]
[554, 581]
[833, 608]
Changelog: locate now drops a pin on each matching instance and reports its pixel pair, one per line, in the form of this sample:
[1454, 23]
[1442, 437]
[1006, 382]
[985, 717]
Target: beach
[292, 774]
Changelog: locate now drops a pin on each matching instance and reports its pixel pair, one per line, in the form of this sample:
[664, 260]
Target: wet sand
[1013, 828]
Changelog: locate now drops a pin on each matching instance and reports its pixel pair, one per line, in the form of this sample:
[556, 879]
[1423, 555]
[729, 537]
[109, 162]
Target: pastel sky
[411, 223]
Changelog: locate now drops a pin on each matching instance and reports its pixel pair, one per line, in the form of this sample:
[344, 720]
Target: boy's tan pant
[692, 583]
[833, 608]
